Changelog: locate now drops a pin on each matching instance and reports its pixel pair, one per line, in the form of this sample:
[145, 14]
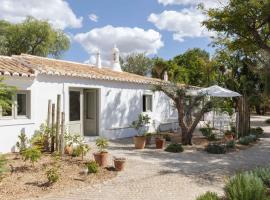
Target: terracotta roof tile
[12, 67]
[66, 68]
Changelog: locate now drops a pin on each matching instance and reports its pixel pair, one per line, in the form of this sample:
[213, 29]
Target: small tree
[6, 93]
[186, 106]
[140, 123]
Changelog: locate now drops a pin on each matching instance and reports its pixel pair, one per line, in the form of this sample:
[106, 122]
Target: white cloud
[93, 17]
[128, 40]
[206, 3]
[185, 23]
[57, 12]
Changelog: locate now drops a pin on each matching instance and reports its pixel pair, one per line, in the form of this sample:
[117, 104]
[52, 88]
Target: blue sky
[161, 28]
[129, 13]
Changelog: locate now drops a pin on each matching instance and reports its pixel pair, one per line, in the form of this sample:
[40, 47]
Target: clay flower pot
[229, 135]
[102, 158]
[68, 149]
[160, 143]
[119, 164]
[139, 142]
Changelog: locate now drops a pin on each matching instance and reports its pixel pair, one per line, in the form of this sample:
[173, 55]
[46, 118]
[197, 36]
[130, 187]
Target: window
[75, 106]
[147, 103]
[19, 106]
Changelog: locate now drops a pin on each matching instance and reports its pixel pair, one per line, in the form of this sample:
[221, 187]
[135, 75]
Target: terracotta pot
[148, 140]
[119, 164]
[139, 142]
[68, 150]
[102, 158]
[160, 143]
[229, 137]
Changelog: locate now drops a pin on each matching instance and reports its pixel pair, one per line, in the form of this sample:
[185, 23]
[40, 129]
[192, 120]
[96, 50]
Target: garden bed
[25, 180]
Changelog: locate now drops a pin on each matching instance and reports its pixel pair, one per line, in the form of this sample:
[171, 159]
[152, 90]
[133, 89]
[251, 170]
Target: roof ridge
[59, 60]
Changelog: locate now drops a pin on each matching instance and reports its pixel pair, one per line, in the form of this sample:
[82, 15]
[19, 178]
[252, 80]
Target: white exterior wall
[120, 104]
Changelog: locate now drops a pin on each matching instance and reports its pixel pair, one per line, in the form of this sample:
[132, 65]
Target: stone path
[155, 174]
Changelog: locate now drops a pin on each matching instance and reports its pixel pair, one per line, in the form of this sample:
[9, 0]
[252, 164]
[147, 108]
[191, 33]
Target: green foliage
[256, 131]
[246, 140]
[143, 119]
[245, 186]
[263, 174]
[92, 167]
[267, 121]
[102, 144]
[81, 150]
[32, 36]
[207, 132]
[71, 139]
[38, 140]
[216, 148]
[195, 68]
[137, 63]
[3, 169]
[175, 148]
[23, 142]
[242, 24]
[31, 154]
[208, 196]
[6, 93]
[52, 175]
[230, 144]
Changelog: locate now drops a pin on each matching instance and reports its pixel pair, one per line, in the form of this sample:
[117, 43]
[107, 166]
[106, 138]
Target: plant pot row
[141, 141]
[102, 158]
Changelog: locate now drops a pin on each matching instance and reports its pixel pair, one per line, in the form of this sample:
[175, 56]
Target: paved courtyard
[155, 174]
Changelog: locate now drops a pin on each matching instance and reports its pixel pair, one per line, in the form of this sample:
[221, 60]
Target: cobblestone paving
[154, 174]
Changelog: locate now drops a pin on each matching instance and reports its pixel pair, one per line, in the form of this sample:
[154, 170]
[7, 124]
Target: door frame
[81, 108]
[97, 110]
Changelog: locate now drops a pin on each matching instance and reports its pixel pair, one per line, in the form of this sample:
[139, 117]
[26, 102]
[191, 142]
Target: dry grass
[25, 181]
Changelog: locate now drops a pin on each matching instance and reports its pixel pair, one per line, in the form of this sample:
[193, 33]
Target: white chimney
[98, 60]
[165, 76]
[115, 59]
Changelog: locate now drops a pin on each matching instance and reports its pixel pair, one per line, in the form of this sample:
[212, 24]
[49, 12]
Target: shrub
[175, 148]
[245, 186]
[208, 196]
[102, 144]
[143, 119]
[22, 143]
[207, 132]
[256, 131]
[31, 154]
[267, 121]
[92, 167]
[230, 144]
[52, 175]
[81, 150]
[216, 148]
[263, 174]
[38, 140]
[246, 140]
[3, 170]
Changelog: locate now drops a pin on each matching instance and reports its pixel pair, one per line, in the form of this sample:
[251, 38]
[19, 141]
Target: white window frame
[14, 114]
[146, 106]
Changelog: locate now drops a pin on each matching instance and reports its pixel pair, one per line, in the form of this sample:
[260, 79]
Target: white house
[97, 101]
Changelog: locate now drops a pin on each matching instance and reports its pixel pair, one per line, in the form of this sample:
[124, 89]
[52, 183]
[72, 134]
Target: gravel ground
[155, 174]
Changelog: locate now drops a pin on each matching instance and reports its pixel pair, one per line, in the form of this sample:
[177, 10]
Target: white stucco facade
[119, 103]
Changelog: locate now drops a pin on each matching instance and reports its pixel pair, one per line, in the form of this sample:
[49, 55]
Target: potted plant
[119, 163]
[160, 141]
[72, 142]
[229, 135]
[101, 157]
[69, 144]
[140, 125]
